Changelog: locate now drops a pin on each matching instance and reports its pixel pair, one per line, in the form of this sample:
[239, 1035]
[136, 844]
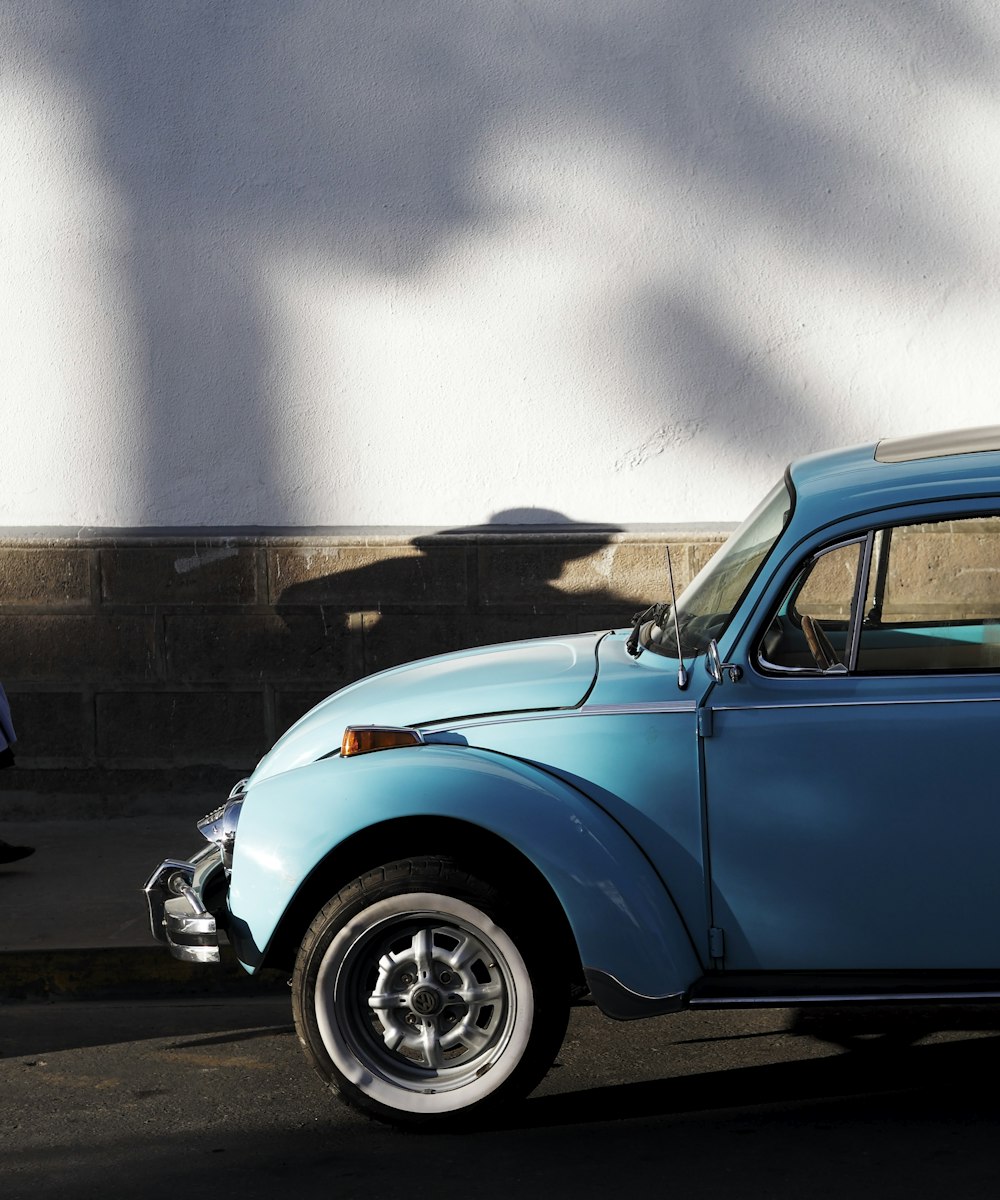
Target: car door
[852, 796]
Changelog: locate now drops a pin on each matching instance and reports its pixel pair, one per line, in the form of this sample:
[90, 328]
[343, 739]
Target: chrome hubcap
[430, 997]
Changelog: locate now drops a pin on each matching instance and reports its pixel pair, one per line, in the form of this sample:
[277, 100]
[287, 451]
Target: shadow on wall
[541, 576]
[274, 167]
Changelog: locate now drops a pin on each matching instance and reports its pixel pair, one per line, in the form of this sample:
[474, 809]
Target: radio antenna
[682, 675]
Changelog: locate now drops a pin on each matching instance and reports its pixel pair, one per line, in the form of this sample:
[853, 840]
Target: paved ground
[72, 916]
[83, 885]
[167, 1099]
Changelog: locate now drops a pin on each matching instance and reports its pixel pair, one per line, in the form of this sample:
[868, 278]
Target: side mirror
[715, 666]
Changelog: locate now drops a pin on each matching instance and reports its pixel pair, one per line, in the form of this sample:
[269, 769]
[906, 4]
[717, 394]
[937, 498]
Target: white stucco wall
[430, 261]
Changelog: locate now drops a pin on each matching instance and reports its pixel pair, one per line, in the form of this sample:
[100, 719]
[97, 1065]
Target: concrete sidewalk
[73, 916]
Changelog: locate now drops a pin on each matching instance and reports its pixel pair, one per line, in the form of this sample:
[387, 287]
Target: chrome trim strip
[644, 706]
[834, 998]
[855, 703]
[938, 445]
[586, 710]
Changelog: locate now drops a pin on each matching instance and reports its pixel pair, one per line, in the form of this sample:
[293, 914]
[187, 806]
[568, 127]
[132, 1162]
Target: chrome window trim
[864, 542]
[858, 603]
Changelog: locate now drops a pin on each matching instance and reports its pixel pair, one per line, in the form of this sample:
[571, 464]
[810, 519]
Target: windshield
[711, 598]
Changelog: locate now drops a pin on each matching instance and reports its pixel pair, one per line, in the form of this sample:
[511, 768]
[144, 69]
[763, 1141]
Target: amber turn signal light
[363, 739]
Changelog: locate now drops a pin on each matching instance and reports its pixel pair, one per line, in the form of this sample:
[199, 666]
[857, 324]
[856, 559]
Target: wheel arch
[479, 851]
[304, 834]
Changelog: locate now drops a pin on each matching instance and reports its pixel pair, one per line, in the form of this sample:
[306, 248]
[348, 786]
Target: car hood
[545, 673]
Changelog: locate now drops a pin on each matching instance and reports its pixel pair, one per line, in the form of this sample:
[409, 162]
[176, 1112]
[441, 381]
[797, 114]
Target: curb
[135, 972]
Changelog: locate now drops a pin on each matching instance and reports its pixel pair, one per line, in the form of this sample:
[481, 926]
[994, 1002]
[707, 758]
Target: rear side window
[912, 598]
[933, 602]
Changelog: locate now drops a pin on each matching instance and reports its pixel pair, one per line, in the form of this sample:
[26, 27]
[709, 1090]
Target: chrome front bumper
[177, 915]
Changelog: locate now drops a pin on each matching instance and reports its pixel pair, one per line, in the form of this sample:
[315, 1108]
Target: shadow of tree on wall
[365, 147]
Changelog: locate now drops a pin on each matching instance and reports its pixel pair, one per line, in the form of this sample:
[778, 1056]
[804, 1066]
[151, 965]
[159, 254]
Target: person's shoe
[9, 853]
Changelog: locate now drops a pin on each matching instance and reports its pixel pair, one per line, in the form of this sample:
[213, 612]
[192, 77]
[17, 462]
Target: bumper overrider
[186, 897]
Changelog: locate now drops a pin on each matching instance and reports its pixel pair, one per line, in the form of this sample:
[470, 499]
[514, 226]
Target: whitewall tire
[420, 997]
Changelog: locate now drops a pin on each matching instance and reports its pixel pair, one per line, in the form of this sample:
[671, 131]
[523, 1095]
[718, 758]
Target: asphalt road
[213, 1097]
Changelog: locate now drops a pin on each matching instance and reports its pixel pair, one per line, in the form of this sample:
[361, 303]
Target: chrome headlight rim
[219, 826]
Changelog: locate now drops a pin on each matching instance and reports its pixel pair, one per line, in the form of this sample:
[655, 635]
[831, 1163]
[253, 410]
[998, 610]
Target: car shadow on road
[939, 1073]
[907, 1122]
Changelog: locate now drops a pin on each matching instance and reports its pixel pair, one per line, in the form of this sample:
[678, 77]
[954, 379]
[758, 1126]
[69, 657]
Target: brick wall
[153, 670]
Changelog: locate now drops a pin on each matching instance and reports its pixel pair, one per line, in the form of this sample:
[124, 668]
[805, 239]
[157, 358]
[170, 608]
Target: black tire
[423, 999]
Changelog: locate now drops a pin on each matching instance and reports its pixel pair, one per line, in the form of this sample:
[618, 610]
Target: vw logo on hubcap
[425, 1001]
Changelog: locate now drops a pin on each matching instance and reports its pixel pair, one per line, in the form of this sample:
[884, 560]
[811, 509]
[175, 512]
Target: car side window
[909, 599]
[812, 628]
[933, 599]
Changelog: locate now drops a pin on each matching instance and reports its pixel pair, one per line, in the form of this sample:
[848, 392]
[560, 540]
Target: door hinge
[705, 723]
[717, 942]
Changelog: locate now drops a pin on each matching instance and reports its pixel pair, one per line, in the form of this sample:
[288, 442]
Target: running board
[797, 989]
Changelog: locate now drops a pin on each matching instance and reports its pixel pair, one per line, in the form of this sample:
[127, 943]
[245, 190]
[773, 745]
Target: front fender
[626, 927]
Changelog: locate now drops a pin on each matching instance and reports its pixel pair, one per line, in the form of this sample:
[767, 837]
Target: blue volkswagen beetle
[776, 789]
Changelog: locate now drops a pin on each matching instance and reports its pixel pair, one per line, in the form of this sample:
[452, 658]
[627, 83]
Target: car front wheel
[420, 996]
